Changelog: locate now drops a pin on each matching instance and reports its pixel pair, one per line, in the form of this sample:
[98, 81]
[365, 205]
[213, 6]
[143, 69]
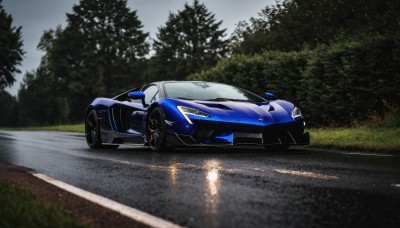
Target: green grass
[79, 128]
[364, 138]
[22, 209]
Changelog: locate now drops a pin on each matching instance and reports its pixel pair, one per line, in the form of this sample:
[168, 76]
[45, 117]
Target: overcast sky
[36, 16]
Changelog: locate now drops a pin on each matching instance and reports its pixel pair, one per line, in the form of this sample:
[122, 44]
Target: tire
[156, 135]
[92, 130]
[277, 148]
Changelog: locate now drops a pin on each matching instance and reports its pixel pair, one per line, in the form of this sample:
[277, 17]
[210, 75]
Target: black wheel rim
[91, 130]
[154, 130]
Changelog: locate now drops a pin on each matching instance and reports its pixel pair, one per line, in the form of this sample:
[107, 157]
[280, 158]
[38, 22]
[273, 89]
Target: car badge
[260, 118]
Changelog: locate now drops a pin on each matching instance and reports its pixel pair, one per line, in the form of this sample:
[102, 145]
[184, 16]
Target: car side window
[151, 94]
[156, 97]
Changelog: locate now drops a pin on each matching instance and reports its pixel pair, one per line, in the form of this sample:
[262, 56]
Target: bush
[274, 71]
[339, 84]
[347, 81]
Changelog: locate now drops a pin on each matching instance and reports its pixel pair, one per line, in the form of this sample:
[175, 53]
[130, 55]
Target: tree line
[339, 59]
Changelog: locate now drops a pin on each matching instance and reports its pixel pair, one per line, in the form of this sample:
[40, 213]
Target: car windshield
[208, 91]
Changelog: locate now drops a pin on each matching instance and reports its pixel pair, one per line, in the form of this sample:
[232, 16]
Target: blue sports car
[168, 114]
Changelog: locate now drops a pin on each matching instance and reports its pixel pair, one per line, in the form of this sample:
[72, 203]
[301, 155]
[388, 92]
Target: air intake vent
[212, 105]
[271, 108]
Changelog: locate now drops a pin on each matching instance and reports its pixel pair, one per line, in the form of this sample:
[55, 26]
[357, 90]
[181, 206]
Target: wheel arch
[153, 106]
[150, 109]
[90, 108]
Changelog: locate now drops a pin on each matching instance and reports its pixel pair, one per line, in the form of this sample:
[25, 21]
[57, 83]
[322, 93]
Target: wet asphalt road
[225, 187]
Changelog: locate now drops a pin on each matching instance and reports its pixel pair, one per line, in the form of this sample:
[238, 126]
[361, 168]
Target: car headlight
[191, 111]
[296, 113]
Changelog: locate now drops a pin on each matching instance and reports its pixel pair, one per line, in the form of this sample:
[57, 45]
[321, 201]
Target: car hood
[273, 111]
[237, 109]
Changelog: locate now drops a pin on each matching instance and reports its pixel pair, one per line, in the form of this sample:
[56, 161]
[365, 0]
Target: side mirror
[137, 96]
[271, 96]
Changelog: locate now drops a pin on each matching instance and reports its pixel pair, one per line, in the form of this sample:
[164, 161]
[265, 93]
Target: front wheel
[156, 131]
[92, 130]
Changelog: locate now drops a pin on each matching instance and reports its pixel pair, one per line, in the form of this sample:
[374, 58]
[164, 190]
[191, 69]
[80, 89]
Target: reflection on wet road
[211, 196]
[225, 187]
[306, 174]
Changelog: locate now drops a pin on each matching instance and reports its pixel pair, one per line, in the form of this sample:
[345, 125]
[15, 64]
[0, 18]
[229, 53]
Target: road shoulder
[80, 209]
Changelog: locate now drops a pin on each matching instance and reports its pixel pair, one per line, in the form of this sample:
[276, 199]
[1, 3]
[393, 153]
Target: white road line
[367, 154]
[396, 185]
[130, 212]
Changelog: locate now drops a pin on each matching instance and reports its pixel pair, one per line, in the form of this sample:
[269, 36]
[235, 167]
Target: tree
[189, 42]
[39, 104]
[11, 52]
[99, 53]
[9, 110]
[291, 24]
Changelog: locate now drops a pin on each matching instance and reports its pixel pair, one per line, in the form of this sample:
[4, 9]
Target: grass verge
[79, 128]
[364, 138]
[22, 209]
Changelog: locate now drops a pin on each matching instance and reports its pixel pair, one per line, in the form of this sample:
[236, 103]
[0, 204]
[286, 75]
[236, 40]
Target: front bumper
[291, 133]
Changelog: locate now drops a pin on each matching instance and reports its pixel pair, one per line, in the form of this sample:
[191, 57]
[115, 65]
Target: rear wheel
[92, 130]
[156, 131]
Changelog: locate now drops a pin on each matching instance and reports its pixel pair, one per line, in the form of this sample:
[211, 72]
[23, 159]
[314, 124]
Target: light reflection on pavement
[213, 182]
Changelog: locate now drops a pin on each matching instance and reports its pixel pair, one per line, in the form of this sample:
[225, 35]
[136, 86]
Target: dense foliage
[9, 110]
[350, 81]
[339, 60]
[11, 52]
[291, 24]
[97, 54]
[334, 85]
[41, 105]
[272, 71]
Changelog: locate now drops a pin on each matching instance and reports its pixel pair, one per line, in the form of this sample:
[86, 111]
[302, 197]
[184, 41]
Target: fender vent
[119, 116]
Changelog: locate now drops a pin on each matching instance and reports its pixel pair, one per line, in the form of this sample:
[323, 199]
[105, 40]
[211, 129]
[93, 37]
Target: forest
[338, 60]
